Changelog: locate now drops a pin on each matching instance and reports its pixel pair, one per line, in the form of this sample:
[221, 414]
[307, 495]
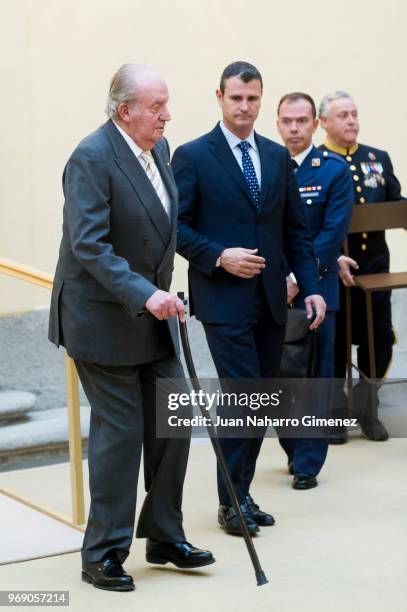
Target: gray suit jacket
[117, 248]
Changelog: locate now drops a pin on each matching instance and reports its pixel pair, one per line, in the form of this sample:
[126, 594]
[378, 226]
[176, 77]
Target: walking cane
[260, 575]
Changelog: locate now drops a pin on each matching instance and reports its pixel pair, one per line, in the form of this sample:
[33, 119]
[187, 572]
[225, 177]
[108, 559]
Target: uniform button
[309, 201]
[355, 177]
[358, 188]
[364, 247]
[353, 167]
[325, 153]
[364, 235]
[348, 158]
[362, 200]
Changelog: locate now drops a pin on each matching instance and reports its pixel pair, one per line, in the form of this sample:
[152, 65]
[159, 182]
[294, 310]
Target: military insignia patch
[315, 162]
[311, 191]
[371, 156]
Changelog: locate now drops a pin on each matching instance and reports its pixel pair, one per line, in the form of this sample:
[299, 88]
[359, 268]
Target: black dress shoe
[303, 482]
[108, 574]
[339, 438]
[373, 429]
[181, 554]
[291, 468]
[258, 516]
[229, 521]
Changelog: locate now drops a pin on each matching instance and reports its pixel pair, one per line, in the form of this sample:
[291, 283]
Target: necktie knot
[244, 146]
[146, 157]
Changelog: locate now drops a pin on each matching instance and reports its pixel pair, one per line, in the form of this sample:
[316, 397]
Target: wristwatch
[217, 263]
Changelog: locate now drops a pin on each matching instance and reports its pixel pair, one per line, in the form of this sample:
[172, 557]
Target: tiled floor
[341, 546]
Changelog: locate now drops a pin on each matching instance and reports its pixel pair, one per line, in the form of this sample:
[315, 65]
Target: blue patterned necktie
[249, 172]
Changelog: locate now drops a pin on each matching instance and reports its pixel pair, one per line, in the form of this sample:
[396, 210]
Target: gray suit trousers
[123, 422]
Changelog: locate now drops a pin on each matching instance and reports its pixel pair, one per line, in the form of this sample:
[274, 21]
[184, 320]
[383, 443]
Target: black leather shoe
[181, 554]
[373, 429]
[339, 438]
[228, 520]
[108, 574]
[290, 468]
[302, 482]
[258, 516]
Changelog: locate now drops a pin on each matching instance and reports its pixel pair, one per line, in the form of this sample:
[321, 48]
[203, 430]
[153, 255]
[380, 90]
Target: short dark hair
[245, 71]
[298, 95]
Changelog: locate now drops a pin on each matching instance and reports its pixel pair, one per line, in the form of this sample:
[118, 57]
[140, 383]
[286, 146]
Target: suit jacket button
[146, 241]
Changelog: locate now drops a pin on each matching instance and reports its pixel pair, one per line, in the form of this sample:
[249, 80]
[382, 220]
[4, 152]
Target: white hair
[326, 101]
[125, 86]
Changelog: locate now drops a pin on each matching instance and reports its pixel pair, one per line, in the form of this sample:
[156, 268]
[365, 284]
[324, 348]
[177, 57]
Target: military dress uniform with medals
[373, 181]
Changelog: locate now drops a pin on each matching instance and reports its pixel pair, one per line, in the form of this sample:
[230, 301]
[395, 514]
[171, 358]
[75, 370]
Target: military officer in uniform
[373, 181]
[326, 192]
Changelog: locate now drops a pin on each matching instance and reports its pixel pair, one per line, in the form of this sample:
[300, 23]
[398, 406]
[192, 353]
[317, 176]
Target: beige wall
[57, 56]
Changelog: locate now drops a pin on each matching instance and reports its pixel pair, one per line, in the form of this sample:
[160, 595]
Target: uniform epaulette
[330, 155]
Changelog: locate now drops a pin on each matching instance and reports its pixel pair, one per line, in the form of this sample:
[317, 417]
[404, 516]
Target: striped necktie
[154, 175]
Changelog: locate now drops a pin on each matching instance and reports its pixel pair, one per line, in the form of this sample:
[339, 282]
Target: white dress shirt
[301, 156]
[165, 199]
[233, 142]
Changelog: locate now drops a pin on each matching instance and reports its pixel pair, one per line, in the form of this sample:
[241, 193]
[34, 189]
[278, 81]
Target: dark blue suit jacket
[326, 192]
[216, 211]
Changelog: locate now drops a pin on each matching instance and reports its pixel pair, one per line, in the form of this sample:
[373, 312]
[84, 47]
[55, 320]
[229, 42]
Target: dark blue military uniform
[373, 181]
[326, 192]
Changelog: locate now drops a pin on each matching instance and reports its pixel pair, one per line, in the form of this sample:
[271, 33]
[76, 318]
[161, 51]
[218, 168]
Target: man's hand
[242, 262]
[163, 305]
[292, 289]
[315, 303]
[345, 274]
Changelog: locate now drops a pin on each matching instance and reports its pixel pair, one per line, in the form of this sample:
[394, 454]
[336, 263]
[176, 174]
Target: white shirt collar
[301, 156]
[133, 145]
[234, 140]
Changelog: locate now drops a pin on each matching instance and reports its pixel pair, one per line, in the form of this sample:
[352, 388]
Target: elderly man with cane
[112, 311]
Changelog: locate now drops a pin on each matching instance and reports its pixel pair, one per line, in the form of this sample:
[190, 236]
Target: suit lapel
[223, 153]
[268, 168]
[164, 168]
[140, 182]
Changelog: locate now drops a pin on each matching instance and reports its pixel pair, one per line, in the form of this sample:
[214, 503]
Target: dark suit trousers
[251, 348]
[123, 422]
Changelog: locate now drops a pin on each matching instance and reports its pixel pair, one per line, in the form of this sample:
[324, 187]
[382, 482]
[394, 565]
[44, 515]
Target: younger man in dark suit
[240, 212]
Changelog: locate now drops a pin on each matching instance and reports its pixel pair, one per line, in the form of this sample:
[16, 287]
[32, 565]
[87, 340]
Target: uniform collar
[301, 156]
[340, 150]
